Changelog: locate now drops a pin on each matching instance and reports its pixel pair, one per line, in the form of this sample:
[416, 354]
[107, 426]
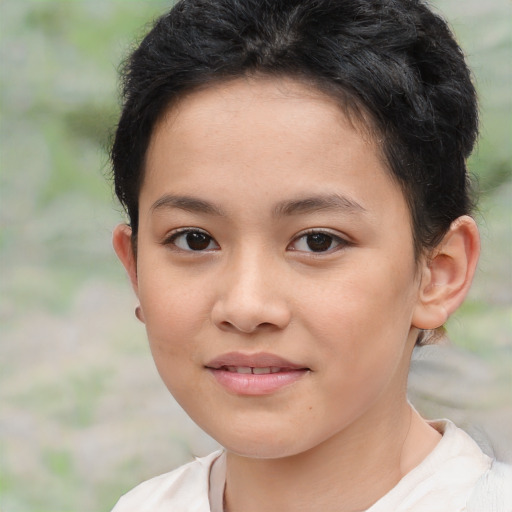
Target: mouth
[255, 374]
[262, 362]
[254, 370]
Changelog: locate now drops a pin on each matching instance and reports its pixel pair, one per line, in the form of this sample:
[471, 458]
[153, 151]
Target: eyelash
[183, 232]
[208, 239]
[341, 243]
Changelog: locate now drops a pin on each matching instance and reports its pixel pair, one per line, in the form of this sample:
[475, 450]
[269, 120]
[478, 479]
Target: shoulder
[457, 455]
[462, 477]
[444, 480]
[188, 485]
[493, 490]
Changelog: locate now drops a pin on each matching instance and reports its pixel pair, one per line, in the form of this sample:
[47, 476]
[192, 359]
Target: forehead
[253, 134]
[254, 96]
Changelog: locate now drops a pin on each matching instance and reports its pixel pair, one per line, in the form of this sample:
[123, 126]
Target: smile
[254, 374]
[254, 371]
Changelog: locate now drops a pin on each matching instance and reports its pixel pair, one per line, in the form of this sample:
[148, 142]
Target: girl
[295, 180]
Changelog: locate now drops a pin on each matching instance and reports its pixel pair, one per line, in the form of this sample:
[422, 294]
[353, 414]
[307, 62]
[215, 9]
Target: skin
[251, 151]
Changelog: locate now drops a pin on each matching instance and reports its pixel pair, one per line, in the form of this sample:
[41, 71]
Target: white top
[455, 477]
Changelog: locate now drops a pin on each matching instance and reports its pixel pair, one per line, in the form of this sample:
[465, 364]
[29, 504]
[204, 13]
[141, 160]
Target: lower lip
[251, 384]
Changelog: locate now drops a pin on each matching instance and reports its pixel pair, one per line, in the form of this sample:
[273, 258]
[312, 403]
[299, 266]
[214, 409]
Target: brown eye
[318, 242]
[197, 241]
[193, 240]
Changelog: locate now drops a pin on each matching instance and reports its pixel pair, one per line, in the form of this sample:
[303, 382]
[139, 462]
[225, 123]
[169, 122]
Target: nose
[251, 297]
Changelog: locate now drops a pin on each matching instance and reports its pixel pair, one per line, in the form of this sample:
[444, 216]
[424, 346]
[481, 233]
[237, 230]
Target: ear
[447, 274]
[122, 242]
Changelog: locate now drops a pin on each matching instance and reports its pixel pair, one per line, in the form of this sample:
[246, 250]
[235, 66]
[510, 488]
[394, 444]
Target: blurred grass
[68, 355]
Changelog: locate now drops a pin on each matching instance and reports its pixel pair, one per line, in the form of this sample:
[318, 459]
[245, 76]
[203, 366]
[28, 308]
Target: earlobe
[447, 275]
[122, 242]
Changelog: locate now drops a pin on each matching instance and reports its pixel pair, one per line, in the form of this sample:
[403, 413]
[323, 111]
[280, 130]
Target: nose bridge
[251, 293]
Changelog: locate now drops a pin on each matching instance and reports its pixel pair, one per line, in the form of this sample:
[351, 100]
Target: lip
[283, 374]
[258, 360]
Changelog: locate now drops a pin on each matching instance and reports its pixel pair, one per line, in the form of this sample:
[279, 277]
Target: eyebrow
[316, 203]
[282, 209]
[187, 203]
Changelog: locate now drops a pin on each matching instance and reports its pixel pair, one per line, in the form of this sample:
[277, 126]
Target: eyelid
[170, 237]
[342, 240]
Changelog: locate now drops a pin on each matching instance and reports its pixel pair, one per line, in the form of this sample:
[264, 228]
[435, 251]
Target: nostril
[246, 328]
[264, 325]
[236, 314]
[226, 326]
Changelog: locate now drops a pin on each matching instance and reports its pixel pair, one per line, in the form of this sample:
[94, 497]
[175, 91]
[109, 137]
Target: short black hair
[395, 62]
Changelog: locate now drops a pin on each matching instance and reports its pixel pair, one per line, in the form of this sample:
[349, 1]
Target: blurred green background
[83, 416]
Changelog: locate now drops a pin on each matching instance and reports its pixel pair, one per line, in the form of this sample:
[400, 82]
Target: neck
[348, 472]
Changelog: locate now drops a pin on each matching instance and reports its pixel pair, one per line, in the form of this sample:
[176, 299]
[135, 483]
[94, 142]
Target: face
[275, 267]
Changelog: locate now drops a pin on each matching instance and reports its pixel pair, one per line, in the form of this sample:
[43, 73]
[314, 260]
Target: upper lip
[259, 360]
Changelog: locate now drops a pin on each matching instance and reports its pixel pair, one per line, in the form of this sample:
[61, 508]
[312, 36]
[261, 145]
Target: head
[379, 89]
[392, 65]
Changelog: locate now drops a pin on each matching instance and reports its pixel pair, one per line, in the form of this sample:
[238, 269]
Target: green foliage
[58, 107]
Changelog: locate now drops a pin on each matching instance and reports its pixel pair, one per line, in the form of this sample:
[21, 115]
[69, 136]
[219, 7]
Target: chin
[263, 444]
[262, 450]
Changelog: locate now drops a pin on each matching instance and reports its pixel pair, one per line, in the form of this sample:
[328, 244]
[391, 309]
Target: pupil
[198, 241]
[319, 242]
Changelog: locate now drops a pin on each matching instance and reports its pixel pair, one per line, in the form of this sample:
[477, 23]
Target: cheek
[172, 331]
[170, 294]
[175, 311]
[363, 317]
[362, 299]
[361, 331]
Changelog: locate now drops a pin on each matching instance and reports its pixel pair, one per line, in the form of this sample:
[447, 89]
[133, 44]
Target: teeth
[255, 371]
[260, 371]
